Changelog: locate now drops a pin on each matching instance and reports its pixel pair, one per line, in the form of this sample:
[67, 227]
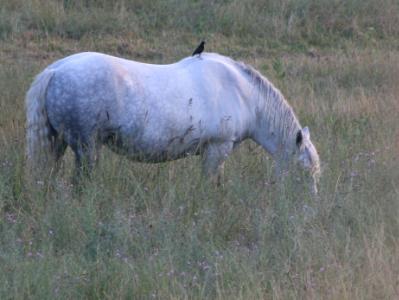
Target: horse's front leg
[213, 158]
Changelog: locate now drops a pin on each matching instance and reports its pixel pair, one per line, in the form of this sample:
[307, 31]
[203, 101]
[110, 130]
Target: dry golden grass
[159, 231]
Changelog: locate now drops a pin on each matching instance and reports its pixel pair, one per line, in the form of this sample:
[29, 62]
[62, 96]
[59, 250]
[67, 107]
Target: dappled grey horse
[156, 113]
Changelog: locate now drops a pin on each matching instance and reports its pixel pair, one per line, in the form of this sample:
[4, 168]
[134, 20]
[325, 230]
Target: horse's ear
[299, 138]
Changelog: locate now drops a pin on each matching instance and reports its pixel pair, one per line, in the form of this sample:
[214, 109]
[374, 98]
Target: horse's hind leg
[58, 147]
[85, 156]
[213, 158]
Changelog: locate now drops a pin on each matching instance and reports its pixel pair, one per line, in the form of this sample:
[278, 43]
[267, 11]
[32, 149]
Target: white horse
[153, 113]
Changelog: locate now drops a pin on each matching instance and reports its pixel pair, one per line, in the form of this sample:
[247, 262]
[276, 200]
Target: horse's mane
[278, 112]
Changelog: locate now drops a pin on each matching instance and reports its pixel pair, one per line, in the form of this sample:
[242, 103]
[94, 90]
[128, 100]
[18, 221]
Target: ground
[159, 230]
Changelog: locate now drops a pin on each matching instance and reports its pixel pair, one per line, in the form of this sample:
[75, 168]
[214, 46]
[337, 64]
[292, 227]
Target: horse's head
[307, 156]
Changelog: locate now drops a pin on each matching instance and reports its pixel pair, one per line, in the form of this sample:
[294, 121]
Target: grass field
[140, 231]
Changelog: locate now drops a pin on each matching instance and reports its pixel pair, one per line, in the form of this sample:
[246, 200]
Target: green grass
[140, 231]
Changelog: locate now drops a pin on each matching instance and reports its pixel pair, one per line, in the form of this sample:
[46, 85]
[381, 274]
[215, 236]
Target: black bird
[199, 49]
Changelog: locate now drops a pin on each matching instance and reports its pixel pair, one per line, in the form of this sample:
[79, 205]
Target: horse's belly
[160, 155]
[155, 148]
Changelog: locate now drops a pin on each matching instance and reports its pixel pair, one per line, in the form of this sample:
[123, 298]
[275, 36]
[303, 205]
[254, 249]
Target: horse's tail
[38, 139]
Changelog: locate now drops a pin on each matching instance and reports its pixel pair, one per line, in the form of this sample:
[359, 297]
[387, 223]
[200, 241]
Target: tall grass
[305, 21]
[160, 231]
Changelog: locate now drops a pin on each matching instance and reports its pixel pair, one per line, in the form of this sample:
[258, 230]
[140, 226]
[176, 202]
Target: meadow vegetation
[142, 231]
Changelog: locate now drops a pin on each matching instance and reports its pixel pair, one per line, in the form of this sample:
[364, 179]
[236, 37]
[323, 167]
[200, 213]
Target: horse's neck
[276, 124]
[270, 141]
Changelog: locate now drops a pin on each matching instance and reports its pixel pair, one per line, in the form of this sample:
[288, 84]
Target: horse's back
[207, 73]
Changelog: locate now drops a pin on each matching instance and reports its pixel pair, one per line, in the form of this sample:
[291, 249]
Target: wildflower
[11, 218]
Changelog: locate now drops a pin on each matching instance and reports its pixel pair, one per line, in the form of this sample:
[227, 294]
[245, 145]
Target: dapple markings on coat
[156, 113]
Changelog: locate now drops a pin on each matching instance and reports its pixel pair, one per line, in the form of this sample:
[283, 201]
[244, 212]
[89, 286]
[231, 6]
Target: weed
[160, 231]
